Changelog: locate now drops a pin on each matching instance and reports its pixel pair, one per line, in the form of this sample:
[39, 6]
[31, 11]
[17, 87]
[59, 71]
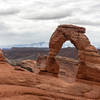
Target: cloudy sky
[29, 21]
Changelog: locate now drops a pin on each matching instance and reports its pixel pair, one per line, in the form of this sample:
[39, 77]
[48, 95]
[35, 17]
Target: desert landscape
[38, 74]
[49, 50]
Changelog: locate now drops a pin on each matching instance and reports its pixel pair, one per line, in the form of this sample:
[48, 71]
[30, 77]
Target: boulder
[29, 65]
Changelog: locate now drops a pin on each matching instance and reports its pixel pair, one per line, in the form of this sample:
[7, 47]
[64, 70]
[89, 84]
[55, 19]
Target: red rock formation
[2, 58]
[24, 85]
[89, 59]
[68, 67]
[29, 63]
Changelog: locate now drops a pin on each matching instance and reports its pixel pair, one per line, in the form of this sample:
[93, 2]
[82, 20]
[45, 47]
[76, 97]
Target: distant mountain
[39, 45]
[22, 53]
[32, 52]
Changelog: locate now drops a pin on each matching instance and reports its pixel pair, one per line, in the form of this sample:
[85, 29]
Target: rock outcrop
[89, 59]
[2, 58]
[68, 67]
[30, 65]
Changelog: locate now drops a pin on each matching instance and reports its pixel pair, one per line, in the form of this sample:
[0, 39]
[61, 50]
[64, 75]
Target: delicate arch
[77, 37]
[72, 33]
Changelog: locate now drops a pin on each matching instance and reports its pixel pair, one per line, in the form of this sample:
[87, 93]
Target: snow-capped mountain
[42, 45]
[39, 45]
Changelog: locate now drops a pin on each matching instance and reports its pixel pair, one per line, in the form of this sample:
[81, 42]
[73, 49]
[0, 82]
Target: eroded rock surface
[24, 85]
[89, 59]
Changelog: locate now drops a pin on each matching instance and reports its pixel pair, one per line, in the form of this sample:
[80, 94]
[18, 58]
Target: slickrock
[24, 85]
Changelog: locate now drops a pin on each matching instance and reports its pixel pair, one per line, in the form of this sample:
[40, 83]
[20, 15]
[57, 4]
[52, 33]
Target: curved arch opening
[68, 50]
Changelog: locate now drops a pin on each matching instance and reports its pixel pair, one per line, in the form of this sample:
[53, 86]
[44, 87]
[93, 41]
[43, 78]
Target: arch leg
[55, 45]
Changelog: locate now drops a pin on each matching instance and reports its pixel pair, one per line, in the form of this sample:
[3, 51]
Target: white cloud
[23, 21]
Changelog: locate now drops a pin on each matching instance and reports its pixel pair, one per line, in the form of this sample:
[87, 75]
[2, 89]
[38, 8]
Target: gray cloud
[80, 22]
[8, 11]
[49, 16]
[3, 26]
[9, 38]
[46, 13]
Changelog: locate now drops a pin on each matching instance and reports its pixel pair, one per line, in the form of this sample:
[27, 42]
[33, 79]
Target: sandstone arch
[87, 53]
